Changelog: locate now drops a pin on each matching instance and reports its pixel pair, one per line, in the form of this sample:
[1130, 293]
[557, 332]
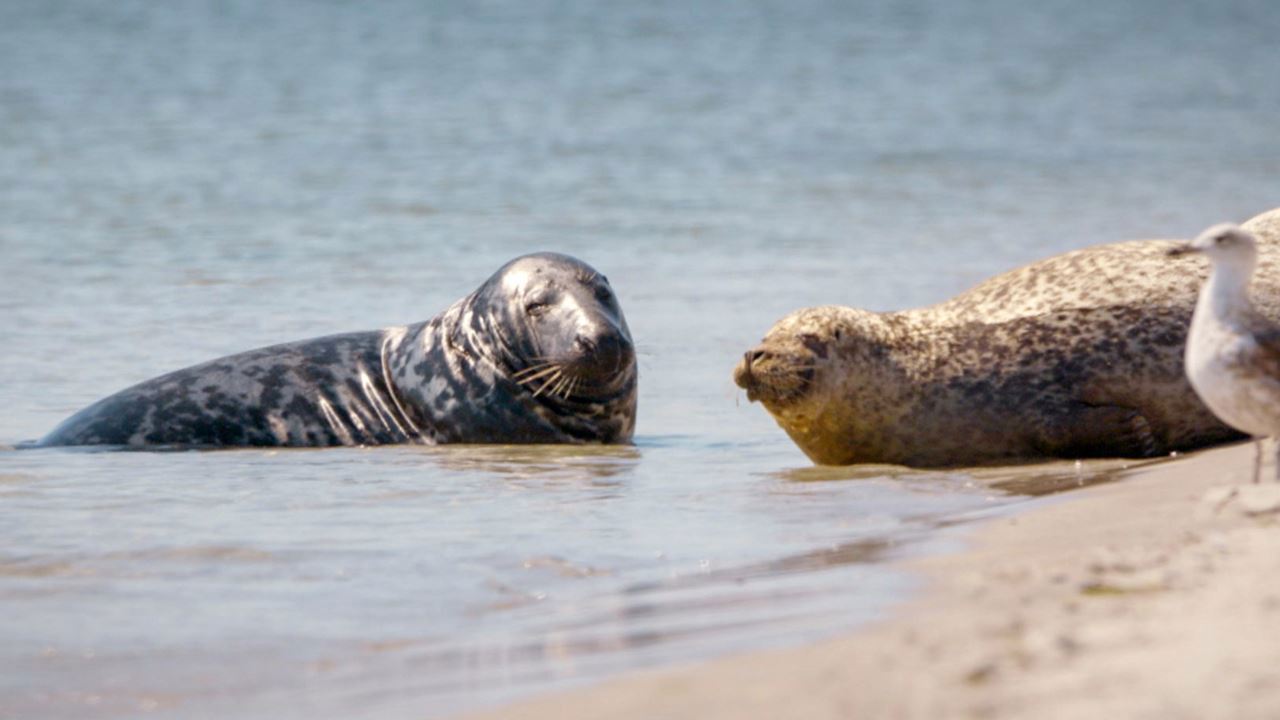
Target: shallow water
[184, 180]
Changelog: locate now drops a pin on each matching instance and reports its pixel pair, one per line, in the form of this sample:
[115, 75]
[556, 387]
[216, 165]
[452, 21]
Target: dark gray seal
[540, 353]
[1077, 355]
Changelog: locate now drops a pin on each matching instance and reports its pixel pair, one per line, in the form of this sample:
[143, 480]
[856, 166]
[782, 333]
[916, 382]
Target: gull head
[1225, 244]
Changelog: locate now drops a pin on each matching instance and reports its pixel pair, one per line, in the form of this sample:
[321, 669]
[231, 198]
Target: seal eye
[815, 345]
[537, 307]
[604, 294]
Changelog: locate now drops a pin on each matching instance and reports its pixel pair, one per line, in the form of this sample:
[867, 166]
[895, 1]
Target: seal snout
[606, 349]
[585, 345]
[601, 356]
[784, 367]
[743, 376]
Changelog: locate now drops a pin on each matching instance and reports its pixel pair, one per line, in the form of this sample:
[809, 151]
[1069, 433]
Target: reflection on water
[1033, 479]
[1059, 477]
[537, 462]
[187, 180]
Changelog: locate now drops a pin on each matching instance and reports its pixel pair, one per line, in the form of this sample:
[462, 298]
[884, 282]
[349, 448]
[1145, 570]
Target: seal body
[540, 353]
[1078, 355]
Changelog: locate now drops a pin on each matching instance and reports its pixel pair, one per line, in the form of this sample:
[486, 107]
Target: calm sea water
[182, 180]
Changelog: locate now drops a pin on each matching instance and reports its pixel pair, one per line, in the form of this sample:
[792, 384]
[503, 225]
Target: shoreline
[1150, 596]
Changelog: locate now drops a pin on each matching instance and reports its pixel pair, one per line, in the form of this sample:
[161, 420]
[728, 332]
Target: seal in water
[540, 353]
[1078, 355]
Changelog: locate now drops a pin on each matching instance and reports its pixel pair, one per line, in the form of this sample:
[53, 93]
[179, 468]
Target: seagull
[1232, 356]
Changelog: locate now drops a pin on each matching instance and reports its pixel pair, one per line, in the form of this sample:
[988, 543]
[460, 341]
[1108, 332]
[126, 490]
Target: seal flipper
[1099, 431]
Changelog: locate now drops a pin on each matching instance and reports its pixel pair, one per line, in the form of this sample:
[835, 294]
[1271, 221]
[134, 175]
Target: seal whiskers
[554, 376]
[561, 379]
[556, 379]
[531, 374]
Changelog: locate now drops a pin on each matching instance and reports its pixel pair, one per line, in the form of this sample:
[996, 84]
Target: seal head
[540, 352]
[556, 326]
[824, 375]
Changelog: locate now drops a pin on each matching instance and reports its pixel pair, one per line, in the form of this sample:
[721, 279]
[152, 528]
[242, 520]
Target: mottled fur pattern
[1077, 355]
[452, 379]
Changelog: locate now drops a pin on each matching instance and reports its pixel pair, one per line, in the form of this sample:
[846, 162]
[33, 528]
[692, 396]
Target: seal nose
[606, 352]
[742, 375]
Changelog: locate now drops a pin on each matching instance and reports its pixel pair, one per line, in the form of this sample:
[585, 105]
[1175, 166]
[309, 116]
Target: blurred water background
[183, 180]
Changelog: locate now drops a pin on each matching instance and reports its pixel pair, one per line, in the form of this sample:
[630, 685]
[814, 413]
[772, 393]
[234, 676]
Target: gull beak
[1182, 249]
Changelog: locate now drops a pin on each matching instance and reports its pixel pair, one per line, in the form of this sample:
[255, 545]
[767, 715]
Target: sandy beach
[1153, 596]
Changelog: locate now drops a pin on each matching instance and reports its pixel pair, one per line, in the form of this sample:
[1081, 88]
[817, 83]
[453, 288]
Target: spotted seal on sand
[1074, 356]
[540, 353]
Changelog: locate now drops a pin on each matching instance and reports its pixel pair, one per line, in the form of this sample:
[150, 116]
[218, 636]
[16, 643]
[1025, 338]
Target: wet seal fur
[1078, 355]
[540, 353]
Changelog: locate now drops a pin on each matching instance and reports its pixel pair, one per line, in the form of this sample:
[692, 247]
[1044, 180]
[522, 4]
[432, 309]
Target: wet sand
[1154, 596]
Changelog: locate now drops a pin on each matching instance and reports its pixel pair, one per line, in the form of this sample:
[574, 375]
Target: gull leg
[1276, 449]
[1257, 460]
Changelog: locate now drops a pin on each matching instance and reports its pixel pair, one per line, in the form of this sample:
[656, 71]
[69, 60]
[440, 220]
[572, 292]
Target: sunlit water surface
[180, 181]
